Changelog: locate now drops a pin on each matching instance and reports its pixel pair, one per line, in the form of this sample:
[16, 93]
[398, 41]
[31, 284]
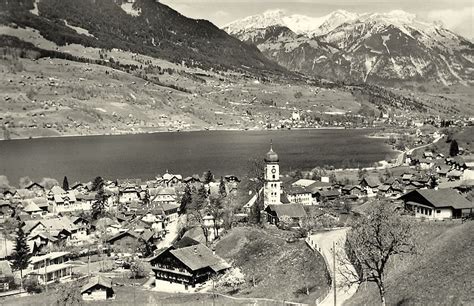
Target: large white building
[272, 186]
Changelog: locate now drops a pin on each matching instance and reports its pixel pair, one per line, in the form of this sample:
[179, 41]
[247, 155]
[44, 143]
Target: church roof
[271, 156]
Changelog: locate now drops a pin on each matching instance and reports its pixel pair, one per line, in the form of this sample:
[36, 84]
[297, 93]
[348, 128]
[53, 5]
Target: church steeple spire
[271, 156]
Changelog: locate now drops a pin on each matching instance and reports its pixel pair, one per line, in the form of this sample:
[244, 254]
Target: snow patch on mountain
[78, 30]
[299, 24]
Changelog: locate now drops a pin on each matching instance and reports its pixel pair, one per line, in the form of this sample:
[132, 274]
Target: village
[162, 234]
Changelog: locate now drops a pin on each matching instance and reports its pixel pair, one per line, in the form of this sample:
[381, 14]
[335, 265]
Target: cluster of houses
[140, 216]
[434, 188]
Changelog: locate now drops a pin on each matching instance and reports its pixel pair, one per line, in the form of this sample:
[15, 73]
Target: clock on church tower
[272, 187]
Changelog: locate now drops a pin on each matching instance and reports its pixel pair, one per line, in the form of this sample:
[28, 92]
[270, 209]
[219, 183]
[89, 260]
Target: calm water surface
[145, 156]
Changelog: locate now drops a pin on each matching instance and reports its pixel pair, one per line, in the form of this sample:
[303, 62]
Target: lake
[147, 155]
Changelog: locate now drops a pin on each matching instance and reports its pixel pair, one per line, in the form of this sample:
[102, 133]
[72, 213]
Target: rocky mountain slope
[383, 48]
[145, 27]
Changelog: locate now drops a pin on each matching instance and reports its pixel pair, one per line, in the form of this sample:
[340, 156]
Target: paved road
[324, 244]
[401, 157]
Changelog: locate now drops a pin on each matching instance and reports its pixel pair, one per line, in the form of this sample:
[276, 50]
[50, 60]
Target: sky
[456, 15]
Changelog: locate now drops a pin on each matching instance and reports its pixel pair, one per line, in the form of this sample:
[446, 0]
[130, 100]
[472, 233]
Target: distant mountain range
[383, 48]
[144, 26]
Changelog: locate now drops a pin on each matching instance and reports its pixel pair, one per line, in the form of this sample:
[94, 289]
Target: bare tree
[216, 210]
[373, 240]
[197, 211]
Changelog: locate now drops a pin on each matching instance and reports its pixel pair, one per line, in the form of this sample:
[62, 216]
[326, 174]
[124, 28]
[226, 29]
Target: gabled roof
[33, 184]
[439, 198]
[185, 242]
[57, 190]
[371, 181]
[167, 207]
[31, 207]
[123, 234]
[304, 183]
[288, 210]
[99, 280]
[53, 224]
[198, 256]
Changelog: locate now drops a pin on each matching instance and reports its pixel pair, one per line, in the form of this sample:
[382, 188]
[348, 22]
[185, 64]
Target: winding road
[323, 243]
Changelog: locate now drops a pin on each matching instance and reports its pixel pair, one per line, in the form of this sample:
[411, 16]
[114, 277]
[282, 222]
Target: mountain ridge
[146, 27]
[382, 48]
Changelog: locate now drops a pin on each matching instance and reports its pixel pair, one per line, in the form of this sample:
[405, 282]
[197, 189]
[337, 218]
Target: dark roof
[439, 198]
[185, 242]
[167, 207]
[329, 193]
[99, 280]
[295, 190]
[122, 234]
[290, 210]
[33, 185]
[198, 256]
[371, 181]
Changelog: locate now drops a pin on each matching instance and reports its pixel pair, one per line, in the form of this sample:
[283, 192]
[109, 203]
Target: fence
[314, 246]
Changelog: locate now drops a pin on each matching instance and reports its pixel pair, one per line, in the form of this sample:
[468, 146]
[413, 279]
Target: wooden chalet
[188, 263]
[437, 204]
[98, 288]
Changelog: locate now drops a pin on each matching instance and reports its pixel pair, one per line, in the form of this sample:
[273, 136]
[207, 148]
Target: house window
[273, 176]
[438, 211]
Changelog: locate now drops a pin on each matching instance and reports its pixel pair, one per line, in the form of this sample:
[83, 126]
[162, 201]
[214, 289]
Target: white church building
[272, 186]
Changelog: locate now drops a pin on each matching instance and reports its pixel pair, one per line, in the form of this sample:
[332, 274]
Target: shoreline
[183, 131]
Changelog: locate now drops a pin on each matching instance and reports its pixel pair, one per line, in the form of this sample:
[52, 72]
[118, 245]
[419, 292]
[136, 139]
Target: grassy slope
[90, 94]
[464, 138]
[278, 266]
[129, 296]
[441, 275]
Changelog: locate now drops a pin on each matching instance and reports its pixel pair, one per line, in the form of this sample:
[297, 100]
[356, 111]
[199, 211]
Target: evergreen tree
[202, 194]
[454, 148]
[208, 177]
[21, 253]
[98, 207]
[146, 198]
[222, 189]
[65, 184]
[97, 183]
[186, 199]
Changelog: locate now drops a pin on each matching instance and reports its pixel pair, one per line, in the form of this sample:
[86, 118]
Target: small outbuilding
[99, 288]
[293, 213]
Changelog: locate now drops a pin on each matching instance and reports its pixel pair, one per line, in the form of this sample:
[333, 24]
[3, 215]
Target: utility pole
[334, 268]
[88, 264]
[45, 276]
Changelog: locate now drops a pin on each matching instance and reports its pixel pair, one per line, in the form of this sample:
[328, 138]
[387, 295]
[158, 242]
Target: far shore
[183, 131]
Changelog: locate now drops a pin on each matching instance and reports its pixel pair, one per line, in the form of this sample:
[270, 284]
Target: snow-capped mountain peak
[299, 24]
[393, 46]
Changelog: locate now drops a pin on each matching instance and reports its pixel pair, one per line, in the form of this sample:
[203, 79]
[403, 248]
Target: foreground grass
[440, 275]
[128, 295]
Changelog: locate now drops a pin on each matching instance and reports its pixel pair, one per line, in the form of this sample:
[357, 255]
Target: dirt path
[323, 243]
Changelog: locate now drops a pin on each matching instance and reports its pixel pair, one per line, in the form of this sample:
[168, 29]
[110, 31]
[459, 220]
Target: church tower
[272, 188]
